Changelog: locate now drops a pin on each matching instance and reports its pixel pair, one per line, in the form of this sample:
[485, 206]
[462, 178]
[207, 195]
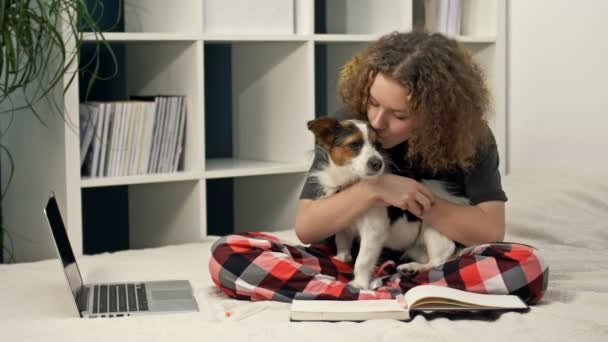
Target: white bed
[566, 217]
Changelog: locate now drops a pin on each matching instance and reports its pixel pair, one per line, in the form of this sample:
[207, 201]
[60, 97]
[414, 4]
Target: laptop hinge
[83, 296]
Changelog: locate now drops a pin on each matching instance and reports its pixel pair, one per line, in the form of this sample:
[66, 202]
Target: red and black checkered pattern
[257, 266]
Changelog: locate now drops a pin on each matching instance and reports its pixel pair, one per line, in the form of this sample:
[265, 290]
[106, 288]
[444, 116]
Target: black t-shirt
[481, 183]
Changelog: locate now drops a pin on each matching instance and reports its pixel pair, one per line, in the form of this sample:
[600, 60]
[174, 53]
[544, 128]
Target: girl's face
[387, 111]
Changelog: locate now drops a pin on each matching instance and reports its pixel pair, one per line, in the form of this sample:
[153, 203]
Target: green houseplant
[40, 41]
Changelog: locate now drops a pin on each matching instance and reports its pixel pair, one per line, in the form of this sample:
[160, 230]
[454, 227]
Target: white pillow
[550, 208]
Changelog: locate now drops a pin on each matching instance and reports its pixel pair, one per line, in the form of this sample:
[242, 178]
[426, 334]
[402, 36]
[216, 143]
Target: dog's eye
[356, 145]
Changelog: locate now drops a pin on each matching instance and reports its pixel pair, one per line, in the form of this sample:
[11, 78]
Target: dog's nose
[374, 164]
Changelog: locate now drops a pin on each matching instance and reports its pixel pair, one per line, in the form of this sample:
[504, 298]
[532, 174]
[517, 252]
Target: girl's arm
[321, 218]
[468, 224]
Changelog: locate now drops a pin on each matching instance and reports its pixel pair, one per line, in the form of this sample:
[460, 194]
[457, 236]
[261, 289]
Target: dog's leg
[417, 253]
[438, 249]
[373, 230]
[365, 262]
[344, 241]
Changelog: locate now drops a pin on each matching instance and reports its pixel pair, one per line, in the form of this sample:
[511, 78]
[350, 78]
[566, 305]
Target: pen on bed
[240, 313]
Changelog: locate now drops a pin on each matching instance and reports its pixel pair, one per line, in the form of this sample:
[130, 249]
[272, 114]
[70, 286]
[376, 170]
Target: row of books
[140, 136]
[444, 16]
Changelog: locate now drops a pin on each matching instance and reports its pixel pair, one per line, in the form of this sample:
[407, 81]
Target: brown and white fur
[351, 155]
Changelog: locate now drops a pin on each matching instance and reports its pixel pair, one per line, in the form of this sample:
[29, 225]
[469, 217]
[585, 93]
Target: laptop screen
[63, 246]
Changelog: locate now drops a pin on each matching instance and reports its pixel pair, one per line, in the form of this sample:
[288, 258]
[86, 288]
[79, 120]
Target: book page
[356, 310]
[376, 305]
[439, 297]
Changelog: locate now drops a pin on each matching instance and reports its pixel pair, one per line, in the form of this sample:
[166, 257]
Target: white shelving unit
[272, 97]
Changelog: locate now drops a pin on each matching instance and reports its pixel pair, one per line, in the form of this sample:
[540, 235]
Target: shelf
[476, 39]
[255, 37]
[250, 88]
[325, 38]
[353, 38]
[345, 38]
[139, 179]
[229, 168]
[143, 37]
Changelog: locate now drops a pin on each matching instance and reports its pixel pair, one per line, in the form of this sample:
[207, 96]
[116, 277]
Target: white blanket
[565, 217]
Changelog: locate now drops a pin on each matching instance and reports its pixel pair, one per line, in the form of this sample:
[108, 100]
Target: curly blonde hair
[448, 95]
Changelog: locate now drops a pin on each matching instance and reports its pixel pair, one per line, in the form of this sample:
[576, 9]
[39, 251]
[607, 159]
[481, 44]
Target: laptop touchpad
[171, 294]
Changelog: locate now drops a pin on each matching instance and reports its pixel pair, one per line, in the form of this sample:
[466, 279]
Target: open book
[420, 298]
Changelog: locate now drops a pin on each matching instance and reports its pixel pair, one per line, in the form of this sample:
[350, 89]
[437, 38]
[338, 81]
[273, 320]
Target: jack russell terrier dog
[352, 155]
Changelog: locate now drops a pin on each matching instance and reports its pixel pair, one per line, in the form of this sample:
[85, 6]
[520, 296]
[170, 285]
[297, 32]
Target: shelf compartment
[363, 16]
[163, 16]
[172, 69]
[278, 209]
[142, 215]
[329, 58]
[479, 18]
[154, 68]
[260, 203]
[166, 213]
[246, 16]
[257, 104]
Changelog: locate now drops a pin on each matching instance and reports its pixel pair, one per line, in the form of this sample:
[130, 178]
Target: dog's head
[350, 145]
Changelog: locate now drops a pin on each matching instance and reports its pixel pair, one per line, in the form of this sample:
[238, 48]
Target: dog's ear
[325, 122]
[324, 130]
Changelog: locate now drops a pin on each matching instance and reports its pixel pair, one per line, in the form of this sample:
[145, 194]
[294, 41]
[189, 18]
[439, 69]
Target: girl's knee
[243, 242]
[521, 267]
[531, 277]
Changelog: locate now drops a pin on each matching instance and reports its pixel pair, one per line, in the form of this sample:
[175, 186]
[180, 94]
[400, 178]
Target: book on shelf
[139, 136]
[419, 298]
[168, 132]
[454, 18]
[88, 121]
[443, 16]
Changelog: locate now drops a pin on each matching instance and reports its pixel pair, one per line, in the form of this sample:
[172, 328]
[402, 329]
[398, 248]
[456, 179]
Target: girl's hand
[402, 192]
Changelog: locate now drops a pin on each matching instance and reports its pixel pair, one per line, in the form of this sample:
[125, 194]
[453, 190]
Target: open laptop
[115, 299]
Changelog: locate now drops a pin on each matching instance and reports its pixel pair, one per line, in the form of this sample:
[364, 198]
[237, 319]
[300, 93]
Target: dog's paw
[412, 267]
[360, 284]
[344, 257]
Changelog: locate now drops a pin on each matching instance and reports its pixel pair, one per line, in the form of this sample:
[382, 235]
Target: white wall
[558, 91]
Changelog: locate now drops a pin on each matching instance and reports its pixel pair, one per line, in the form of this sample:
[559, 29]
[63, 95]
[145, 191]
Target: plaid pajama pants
[257, 266]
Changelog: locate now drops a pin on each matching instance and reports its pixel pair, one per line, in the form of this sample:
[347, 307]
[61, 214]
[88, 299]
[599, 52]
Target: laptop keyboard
[119, 298]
